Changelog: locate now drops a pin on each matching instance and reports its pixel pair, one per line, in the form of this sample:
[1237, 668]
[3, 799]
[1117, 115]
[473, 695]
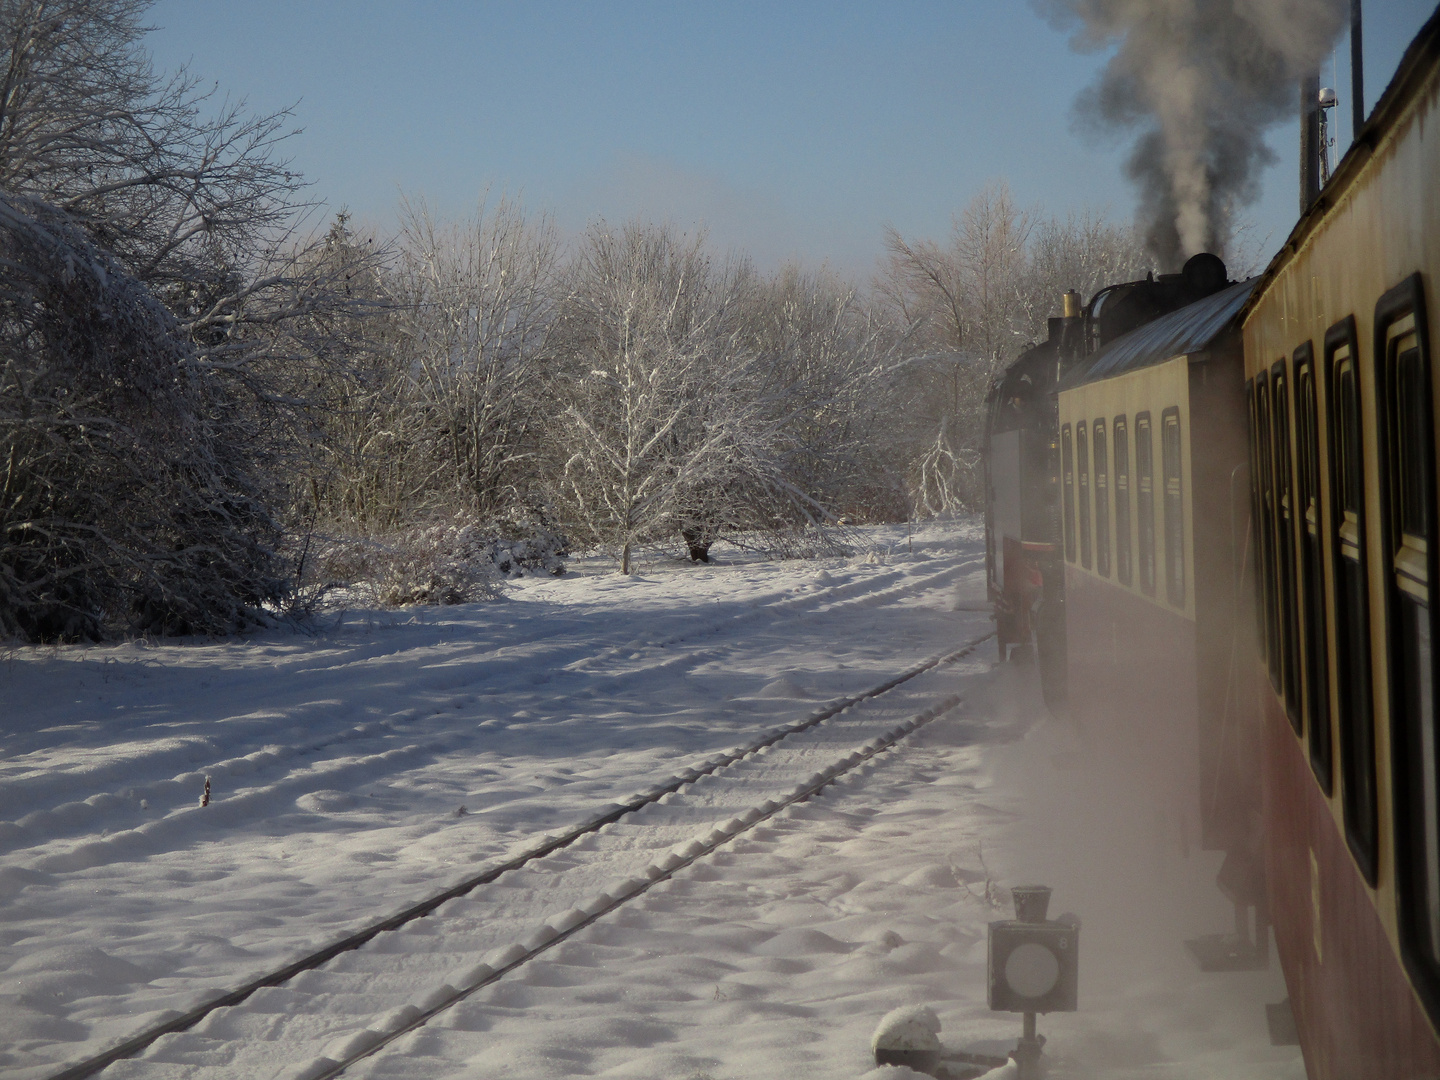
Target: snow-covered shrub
[541, 553]
[910, 1027]
[810, 542]
[413, 567]
[448, 562]
[127, 504]
[159, 336]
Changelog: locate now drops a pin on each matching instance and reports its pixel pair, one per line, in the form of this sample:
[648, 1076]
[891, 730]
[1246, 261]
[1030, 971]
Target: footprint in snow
[327, 801]
[783, 687]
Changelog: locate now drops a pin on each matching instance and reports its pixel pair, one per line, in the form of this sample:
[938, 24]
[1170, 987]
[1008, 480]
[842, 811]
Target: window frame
[1314, 623]
[1082, 490]
[1145, 501]
[1266, 531]
[1256, 524]
[1283, 477]
[1355, 706]
[1124, 554]
[1067, 487]
[1403, 563]
[1172, 476]
[1100, 486]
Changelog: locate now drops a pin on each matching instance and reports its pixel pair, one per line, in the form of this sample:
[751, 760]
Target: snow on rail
[351, 1048]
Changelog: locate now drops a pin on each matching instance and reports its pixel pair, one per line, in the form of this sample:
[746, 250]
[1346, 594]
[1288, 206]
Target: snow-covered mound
[910, 1027]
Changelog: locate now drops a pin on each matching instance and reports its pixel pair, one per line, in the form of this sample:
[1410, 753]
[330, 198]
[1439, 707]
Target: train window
[1102, 498]
[1408, 495]
[1352, 598]
[1067, 482]
[1122, 501]
[1285, 544]
[1174, 507]
[1314, 635]
[1082, 469]
[1145, 503]
[1265, 531]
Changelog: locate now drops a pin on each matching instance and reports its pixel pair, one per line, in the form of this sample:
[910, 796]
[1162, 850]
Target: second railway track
[571, 878]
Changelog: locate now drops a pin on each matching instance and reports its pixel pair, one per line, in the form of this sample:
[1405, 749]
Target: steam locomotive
[1212, 518]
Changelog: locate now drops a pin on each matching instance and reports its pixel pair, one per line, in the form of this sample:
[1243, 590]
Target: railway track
[595, 868]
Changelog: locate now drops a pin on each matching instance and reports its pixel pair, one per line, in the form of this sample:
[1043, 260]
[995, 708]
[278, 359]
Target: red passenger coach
[1341, 395]
[1233, 506]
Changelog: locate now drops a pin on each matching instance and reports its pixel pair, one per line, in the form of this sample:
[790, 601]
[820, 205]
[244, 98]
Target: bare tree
[160, 318]
[478, 301]
[827, 355]
[653, 407]
[972, 305]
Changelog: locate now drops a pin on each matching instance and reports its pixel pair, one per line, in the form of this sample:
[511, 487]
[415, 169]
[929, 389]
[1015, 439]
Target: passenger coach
[1154, 503]
[1341, 399]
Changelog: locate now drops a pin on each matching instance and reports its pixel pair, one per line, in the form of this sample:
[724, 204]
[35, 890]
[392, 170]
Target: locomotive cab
[1022, 481]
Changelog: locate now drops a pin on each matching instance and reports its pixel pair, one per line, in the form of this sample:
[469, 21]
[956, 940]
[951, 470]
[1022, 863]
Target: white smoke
[1203, 80]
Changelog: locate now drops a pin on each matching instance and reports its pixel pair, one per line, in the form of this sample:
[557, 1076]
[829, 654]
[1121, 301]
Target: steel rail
[678, 862]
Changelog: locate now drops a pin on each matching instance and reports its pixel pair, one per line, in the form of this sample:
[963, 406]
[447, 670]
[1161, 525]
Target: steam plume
[1203, 79]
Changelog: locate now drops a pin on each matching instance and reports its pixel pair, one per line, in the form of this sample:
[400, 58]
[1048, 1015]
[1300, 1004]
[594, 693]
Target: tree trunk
[625, 558]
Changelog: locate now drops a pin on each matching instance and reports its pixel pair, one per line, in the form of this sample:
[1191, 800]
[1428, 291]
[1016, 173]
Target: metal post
[1357, 72]
[1027, 1051]
[1309, 139]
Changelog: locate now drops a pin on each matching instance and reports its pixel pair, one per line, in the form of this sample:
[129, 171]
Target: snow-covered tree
[123, 499]
[826, 360]
[477, 302]
[160, 320]
[971, 305]
[653, 413]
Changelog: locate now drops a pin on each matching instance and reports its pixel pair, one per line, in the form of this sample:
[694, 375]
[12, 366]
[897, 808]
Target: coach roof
[1189, 330]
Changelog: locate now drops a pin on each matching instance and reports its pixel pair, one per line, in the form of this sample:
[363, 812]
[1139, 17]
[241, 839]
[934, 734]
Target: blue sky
[789, 129]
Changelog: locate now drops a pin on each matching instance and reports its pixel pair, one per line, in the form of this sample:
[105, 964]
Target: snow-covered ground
[340, 763]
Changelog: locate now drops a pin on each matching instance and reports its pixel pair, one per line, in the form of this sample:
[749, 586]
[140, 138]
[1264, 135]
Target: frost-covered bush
[810, 542]
[458, 561]
[127, 503]
[420, 566]
[542, 553]
[161, 328]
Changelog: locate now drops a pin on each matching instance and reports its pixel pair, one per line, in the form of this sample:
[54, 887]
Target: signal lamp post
[1033, 968]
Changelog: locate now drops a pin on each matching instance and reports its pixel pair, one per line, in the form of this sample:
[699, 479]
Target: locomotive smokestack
[1068, 331]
